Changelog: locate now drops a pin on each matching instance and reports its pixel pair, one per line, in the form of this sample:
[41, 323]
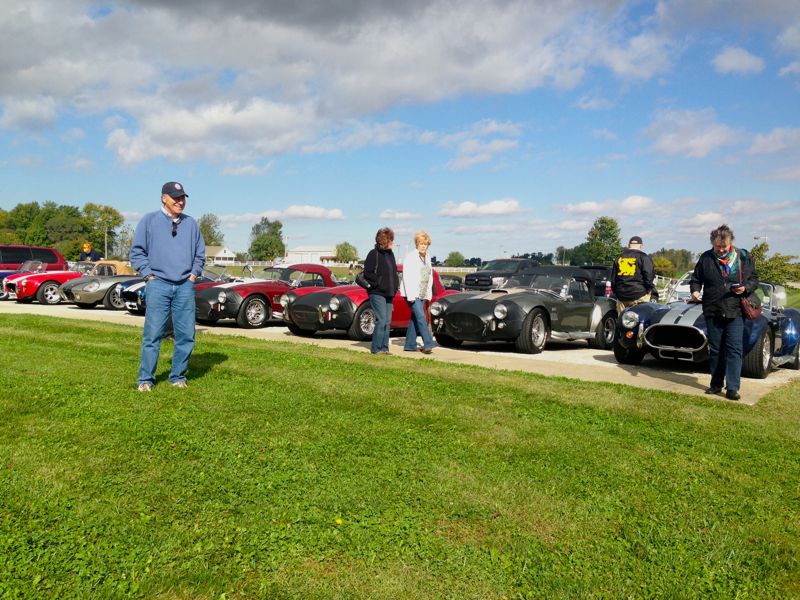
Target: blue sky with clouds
[498, 126]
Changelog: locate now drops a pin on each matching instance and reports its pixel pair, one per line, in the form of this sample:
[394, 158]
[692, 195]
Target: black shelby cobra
[530, 309]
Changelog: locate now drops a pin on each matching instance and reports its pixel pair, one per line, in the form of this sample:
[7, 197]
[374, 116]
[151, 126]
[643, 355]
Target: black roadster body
[530, 309]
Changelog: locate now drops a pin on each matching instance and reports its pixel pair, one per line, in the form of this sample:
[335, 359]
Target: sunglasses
[175, 228]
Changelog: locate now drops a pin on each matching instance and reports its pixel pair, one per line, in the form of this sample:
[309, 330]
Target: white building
[219, 255]
[311, 254]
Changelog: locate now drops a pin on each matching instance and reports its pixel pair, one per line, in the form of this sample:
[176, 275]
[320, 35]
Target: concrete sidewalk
[568, 359]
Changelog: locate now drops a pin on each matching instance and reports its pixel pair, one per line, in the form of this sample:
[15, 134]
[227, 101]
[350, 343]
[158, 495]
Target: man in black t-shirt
[632, 276]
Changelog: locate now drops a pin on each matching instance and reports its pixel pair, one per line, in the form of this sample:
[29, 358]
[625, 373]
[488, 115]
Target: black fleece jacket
[718, 299]
[380, 269]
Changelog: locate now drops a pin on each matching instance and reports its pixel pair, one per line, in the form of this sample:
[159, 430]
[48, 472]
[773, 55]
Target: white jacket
[412, 274]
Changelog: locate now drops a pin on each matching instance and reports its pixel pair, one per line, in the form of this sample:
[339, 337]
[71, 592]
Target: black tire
[758, 362]
[113, 299]
[363, 324]
[299, 331]
[85, 305]
[606, 332]
[627, 356]
[535, 332]
[795, 364]
[253, 313]
[207, 321]
[48, 293]
[447, 341]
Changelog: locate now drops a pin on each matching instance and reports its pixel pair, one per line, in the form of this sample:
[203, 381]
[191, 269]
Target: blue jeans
[382, 307]
[725, 349]
[166, 299]
[418, 325]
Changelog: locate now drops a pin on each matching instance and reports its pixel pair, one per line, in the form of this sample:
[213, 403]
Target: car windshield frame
[271, 271]
[32, 266]
[539, 282]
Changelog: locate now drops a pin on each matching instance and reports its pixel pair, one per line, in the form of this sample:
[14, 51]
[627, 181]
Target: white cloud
[247, 170]
[693, 134]
[471, 209]
[738, 61]
[787, 174]
[631, 205]
[398, 215]
[590, 103]
[475, 152]
[777, 140]
[604, 134]
[584, 208]
[473, 229]
[73, 135]
[32, 114]
[289, 213]
[790, 69]
[636, 204]
[81, 164]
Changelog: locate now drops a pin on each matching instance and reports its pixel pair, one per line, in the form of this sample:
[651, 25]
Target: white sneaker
[144, 387]
[180, 384]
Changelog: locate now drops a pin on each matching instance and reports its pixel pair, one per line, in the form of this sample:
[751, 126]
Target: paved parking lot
[568, 359]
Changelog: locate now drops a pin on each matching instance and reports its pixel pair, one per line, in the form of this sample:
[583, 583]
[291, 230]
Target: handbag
[751, 309]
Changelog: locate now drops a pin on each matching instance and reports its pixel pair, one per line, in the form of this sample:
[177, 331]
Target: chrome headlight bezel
[222, 297]
[92, 286]
[437, 308]
[500, 311]
[334, 304]
[629, 319]
[284, 301]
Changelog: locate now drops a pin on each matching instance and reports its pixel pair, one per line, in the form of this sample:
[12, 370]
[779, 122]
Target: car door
[576, 312]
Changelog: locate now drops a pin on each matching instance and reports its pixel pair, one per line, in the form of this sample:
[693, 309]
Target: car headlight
[498, 281]
[500, 311]
[437, 308]
[284, 301]
[92, 286]
[630, 319]
[222, 297]
[334, 304]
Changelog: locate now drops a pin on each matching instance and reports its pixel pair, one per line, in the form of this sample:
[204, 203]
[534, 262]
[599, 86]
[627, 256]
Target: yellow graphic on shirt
[627, 267]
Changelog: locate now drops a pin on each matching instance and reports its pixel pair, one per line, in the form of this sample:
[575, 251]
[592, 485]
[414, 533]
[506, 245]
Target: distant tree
[454, 259]
[778, 268]
[579, 255]
[211, 229]
[71, 249]
[266, 240]
[122, 243]
[21, 216]
[663, 266]
[101, 224]
[473, 262]
[603, 241]
[346, 252]
[8, 236]
[682, 260]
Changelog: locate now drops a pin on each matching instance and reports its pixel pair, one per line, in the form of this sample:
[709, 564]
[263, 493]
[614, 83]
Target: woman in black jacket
[380, 270]
[725, 274]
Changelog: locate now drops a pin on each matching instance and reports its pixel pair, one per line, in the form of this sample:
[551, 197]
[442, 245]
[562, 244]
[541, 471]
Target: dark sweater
[718, 299]
[380, 269]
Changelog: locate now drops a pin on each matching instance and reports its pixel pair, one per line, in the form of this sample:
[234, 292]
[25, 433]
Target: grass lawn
[289, 471]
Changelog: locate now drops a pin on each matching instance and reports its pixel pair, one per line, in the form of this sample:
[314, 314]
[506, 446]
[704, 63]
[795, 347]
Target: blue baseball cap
[173, 189]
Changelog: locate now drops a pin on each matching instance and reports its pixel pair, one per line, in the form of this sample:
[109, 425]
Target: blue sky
[497, 126]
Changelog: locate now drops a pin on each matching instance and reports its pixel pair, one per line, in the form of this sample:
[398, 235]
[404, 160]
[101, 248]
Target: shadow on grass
[203, 362]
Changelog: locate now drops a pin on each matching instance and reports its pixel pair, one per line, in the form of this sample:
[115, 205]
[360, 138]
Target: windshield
[553, 283]
[504, 266]
[270, 274]
[217, 274]
[83, 267]
[32, 266]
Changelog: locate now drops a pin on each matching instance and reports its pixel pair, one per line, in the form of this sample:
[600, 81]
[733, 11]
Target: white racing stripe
[682, 312]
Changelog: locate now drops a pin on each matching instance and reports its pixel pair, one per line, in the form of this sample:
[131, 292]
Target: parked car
[132, 292]
[601, 282]
[677, 331]
[344, 308]
[29, 266]
[43, 287]
[255, 301]
[13, 256]
[494, 273]
[529, 310]
[99, 285]
[452, 282]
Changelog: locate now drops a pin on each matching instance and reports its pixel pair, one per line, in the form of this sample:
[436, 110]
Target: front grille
[464, 323]
[304, 315]
[11, 288]
[476, 280]
[675, 337]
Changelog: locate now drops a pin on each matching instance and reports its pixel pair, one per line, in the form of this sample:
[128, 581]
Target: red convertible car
[254, 302]
[345, 308]
[27, 287]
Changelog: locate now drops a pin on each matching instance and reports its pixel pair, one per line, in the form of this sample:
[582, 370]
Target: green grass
[793, 297]
[291, 471]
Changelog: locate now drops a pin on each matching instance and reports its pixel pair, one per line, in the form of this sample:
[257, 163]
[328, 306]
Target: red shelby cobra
[255, 301]
[346, 308]
[26, 287]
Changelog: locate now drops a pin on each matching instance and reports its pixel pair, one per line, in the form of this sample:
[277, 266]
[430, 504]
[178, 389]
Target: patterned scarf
[727, 263]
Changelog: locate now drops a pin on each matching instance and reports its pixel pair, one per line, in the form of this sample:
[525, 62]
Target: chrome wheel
[48, 294]
[254, 313]
[538, 331]
[366, 322]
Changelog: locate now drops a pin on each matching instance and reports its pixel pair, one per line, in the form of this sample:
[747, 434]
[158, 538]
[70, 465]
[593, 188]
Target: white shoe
[145, 387]
[180, 384]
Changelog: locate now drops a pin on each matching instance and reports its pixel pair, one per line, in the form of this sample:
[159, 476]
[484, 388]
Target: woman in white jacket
[417, 287]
